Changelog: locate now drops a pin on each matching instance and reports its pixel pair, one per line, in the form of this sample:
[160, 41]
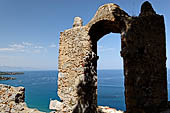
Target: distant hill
[10, 68]
[21, 69]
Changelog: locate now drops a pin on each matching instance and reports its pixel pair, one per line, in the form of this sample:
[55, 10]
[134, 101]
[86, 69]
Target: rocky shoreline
[12, 100]
[11, 73]
[7, 78]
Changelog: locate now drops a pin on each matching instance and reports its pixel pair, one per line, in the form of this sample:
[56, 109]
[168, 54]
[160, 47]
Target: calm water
[42, 85]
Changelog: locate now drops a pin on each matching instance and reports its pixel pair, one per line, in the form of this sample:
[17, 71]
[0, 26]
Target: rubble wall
[12, 100]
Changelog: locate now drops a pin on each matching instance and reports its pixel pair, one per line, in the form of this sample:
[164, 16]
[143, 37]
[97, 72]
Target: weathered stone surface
[12, 100]
[146, 9]
[143, 52]
[55, 105]
[77, 22]
[102, 109]
[167, 111]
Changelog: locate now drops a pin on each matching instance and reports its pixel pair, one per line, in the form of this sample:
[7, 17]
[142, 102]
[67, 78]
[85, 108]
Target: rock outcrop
[12, 100]
[105, 109]
[56, 105]
[6, 78]
[11, 73]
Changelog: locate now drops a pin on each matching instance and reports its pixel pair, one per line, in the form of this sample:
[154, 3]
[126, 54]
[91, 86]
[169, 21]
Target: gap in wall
[110, 72]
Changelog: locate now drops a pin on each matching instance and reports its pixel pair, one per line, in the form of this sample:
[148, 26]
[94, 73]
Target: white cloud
[53, 45]
[100, 47]
[26, 47]
[17, 46]
[11, 50]
[7, 49]
[27, 43]
[38, 47]
[30, 45]
[105, 49]
[22, 50]
[36, 51]
[14, 47]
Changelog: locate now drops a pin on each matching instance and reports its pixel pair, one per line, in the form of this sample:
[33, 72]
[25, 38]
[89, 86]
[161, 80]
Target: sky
[30, 30]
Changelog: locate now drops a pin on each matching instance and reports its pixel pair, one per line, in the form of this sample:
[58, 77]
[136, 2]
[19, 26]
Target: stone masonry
[143, 50]
[12, 100]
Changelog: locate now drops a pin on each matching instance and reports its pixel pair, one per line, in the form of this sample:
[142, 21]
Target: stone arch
[99, 30]
[108, 18]
[145, 86]
[103, 27]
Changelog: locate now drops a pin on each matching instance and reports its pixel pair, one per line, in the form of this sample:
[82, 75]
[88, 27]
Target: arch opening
[110, 30]
[110, 91]
[101, 28]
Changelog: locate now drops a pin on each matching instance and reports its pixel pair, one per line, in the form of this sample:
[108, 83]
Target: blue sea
[41, 86]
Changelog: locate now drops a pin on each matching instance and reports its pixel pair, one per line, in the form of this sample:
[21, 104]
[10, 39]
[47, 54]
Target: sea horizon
[51, 70]
[41, 87]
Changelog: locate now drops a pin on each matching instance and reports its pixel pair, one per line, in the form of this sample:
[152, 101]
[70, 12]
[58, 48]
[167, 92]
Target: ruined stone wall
[77, 78]
[143, 52]
[75, 87]
[12, 100]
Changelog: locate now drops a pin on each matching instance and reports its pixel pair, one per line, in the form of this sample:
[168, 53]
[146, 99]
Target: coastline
[11, 73]
[2, 77]
[7, 78]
